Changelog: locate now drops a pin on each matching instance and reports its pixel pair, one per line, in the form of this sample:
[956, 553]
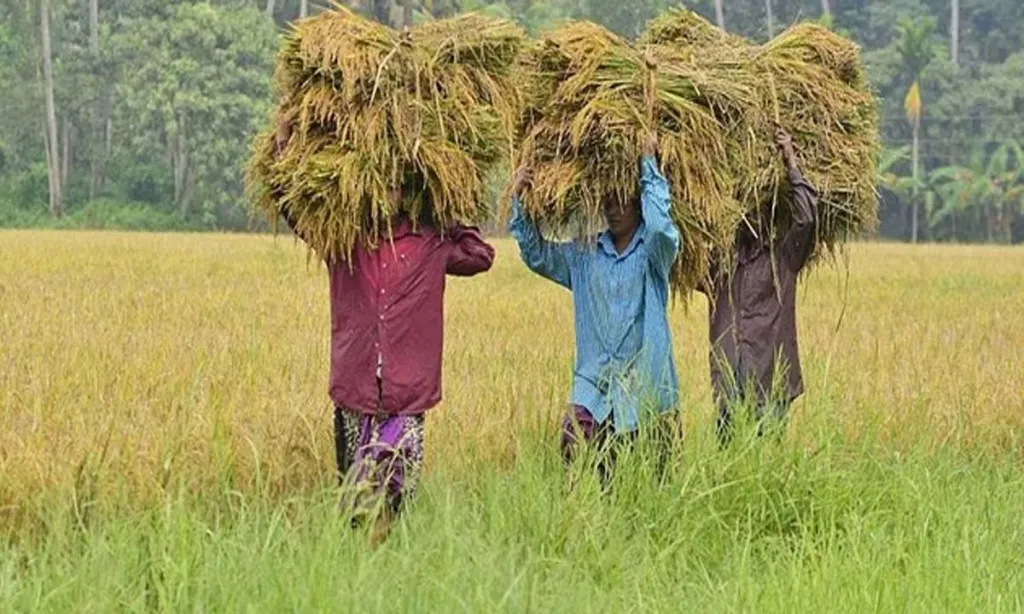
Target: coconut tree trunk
[382, 11]
[270, 8]
[826, 9]
[770, 13]
[108, 134]
[954, 32]
[94, 26]
[407, 13]
[303, 9]
[65, 160]
[720, 13]
[53, 150]
[916, 174]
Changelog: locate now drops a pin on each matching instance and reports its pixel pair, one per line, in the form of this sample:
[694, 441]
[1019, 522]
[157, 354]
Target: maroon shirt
[389, 302]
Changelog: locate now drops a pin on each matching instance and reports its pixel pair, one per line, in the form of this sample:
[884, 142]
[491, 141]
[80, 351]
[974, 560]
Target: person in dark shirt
[755, 360]
[387, 325]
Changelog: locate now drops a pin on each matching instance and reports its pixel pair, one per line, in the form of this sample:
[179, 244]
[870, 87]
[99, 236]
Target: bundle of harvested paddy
[427, 112]
[591, 100]
[817, 90]
[811, 82]
[715, 101]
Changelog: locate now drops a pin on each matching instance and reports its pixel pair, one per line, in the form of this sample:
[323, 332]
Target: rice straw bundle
[428, 111]
[811, 82]
[817, 84]
[715, 101]
[590, 102]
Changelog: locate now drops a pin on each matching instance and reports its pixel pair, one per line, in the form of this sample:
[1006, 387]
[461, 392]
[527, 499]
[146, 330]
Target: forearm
[662, 234]
[470, 254]
[288, 215]
[805, 199]
[546, 258]
[798, 243]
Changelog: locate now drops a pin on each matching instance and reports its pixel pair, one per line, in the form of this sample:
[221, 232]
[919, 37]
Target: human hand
[649, 58]
[522, 178]
[284, 133]
[785, 143]
[651, 144]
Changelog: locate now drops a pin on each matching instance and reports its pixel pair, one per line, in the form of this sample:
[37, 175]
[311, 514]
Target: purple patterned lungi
[378, 456]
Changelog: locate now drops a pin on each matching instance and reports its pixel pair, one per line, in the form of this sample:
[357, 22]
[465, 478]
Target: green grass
[760, 528]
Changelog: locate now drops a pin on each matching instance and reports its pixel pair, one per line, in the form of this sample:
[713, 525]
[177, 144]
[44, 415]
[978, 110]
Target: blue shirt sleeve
[661, 235]
[545, 258]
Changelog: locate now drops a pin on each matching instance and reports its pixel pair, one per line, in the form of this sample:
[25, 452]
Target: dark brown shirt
[753, 308]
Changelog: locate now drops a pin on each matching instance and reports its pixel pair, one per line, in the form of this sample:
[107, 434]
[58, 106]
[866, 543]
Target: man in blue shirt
[624, 366]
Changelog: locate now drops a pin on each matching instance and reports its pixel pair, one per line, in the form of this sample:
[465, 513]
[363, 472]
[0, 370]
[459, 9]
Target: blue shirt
[624, 364]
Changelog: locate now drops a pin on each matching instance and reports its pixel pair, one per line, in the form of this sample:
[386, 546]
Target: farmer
[386, 342]
[754, 357]
[624, 365]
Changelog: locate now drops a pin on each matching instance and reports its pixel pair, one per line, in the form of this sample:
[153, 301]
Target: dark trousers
[771, 416]
[579, 428]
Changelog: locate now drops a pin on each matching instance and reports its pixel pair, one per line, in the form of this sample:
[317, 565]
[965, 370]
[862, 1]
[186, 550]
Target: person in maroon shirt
[387, 322]
[755, 361]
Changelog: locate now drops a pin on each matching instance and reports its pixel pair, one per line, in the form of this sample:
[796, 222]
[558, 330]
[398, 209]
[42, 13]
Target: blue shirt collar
[607, 243]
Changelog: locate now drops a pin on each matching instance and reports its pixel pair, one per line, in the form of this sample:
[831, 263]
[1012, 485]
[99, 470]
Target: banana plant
[990, 190]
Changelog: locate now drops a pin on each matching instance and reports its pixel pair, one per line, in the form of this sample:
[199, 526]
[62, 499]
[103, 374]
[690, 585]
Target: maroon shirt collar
[402, 227]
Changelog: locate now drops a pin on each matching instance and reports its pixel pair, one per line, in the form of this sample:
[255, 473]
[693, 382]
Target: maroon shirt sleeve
[469, 253]
[288, 216]
[283, 134]
[798, 242]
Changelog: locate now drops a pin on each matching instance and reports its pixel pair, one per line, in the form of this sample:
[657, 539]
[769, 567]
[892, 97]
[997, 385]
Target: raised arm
[660, 232]
[545, 258]
[469, 254]
[798, 242]
[284, 133]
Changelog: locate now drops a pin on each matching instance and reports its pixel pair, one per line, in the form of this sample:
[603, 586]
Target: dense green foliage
[157, 111]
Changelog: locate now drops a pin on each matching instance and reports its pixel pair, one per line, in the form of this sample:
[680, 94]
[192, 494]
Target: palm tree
[720, 13]
[916, 48]
[771, 18]
[52, 148]
[382, 11]
[912, 105]
[954, 32]
[407, 13]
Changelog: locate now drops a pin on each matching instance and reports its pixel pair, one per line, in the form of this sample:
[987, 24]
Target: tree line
[139, 113]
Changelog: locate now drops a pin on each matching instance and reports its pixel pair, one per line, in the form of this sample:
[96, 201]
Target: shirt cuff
[517, 220]
[649, 164]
